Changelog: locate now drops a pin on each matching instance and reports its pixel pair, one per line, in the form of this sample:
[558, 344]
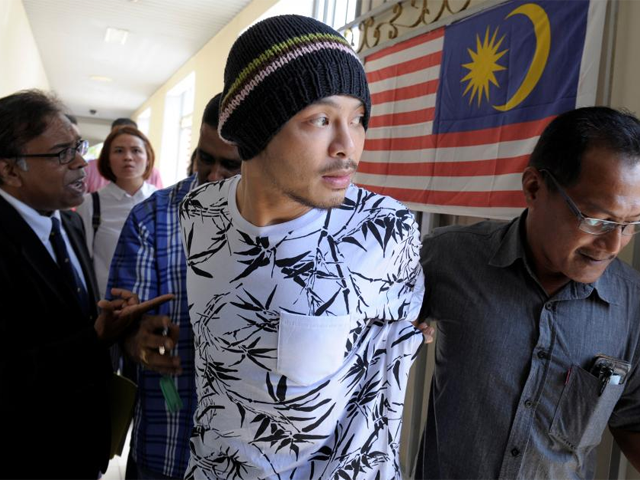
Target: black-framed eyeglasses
[594, 226]
[66, 155]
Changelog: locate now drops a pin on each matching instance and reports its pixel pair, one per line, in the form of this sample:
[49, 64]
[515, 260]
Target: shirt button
[542, 355]
[515, 452]
[528, 404]
[549, 306]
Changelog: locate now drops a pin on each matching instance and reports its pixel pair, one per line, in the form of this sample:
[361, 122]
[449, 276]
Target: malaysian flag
[457, 111]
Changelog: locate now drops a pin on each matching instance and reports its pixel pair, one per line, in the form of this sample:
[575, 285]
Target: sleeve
[412, 281]
[134, 262]
[427, 252]
[399, 272]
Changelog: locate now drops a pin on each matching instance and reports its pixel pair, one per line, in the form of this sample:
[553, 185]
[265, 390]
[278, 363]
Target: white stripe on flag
[406, 55]
[407, 80]
[401, 106]
[402, 131]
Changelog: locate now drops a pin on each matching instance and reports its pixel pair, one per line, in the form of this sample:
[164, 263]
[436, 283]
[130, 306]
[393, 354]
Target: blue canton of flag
[518, 62]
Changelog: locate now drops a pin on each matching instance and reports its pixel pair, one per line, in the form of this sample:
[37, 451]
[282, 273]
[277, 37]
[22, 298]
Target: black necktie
[64, 262]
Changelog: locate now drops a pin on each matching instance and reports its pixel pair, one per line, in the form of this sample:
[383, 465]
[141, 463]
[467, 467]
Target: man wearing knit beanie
[302, 287]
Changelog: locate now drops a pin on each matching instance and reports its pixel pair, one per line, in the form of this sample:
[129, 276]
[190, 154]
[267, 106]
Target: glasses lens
[600, 227]
[67, 155]
[596, 226]
[631, 229]
[83, 147]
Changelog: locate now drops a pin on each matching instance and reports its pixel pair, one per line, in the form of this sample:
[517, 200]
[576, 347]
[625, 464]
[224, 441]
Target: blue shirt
[512, 394]
[150, 261]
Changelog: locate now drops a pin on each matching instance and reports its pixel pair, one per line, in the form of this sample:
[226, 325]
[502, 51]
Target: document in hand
[122, 398]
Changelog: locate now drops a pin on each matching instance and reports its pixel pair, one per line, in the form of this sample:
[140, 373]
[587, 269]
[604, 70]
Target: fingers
[165, 364]
[149, 304]
[148, 343]
[129, 297]
[428, 332]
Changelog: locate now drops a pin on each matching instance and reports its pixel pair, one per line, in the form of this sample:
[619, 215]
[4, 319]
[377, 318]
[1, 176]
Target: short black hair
[211, 113]
[570, 135]
[123, 122]
[24, 116]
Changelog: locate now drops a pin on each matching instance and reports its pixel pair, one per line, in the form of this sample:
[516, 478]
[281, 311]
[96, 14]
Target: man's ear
[9, 173]
[531, 183]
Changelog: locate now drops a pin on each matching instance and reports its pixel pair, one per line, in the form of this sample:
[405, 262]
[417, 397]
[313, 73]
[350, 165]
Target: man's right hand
[144, 345]
[124, 310]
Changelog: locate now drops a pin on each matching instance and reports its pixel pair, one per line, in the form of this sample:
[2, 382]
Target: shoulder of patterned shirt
[169, 197]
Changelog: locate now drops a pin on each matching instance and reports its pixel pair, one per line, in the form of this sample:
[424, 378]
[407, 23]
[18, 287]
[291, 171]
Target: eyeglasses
[64, 156]
[594, 226]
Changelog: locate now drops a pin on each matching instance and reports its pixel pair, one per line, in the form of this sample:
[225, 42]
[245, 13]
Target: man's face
[609, 189]
[215, 159]
[311, 160]
[46, 185]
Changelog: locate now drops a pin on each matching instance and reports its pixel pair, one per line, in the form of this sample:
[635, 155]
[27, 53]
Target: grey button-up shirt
[512, 395]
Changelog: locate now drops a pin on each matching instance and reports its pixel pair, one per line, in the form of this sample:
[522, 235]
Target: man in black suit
[54, 361]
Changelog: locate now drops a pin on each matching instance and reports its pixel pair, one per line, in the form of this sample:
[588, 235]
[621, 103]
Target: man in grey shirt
[538, 323]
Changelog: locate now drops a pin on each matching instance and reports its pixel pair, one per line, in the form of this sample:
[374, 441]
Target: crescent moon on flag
[542, 30]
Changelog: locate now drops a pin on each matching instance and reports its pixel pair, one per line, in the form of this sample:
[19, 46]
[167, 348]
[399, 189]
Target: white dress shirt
[41, 226]
[115, 205]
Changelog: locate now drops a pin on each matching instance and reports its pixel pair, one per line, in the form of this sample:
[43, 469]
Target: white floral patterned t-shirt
[302, 335]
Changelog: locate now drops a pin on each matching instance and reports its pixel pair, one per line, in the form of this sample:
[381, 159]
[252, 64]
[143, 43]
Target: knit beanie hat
[277, 68]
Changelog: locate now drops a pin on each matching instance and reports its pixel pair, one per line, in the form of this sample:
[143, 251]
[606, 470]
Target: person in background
[150, 258]
[54, 363]
[539, 339]
[301, 286]
[95, 181]
[126, 160]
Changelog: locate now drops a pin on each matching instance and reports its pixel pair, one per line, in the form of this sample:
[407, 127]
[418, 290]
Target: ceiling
[163, 35]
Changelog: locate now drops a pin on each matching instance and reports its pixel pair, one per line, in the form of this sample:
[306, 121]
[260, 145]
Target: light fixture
[116, 35]
[101, 78]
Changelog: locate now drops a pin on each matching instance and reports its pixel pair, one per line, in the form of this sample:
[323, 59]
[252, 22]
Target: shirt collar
[40, 224]
[116, 192]
[512, 248]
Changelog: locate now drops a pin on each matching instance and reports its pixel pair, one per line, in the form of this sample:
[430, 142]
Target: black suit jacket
[53, 370]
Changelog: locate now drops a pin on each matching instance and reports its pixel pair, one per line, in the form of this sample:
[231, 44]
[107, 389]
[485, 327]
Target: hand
[118, 314]
[145, 345]
[427, 331]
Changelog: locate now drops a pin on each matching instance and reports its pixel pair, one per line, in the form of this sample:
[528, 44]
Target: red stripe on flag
[405, 93]
[500, 166]
[408, 143]
[420, 39]
[404, 118]
[410, 66]
[502, 198]
[506, 133]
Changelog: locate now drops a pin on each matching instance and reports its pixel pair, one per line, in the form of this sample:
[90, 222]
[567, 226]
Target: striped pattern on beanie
[277, 68]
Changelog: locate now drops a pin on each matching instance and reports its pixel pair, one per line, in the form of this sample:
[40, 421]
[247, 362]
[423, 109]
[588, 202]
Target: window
[336, 13]
[143, 121]
[178, 124]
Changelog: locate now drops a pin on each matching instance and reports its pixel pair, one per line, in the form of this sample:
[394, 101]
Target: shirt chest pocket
[582, 414]
[311, 348]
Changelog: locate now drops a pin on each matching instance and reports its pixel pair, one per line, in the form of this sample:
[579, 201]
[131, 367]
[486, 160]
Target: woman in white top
[126, 160]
